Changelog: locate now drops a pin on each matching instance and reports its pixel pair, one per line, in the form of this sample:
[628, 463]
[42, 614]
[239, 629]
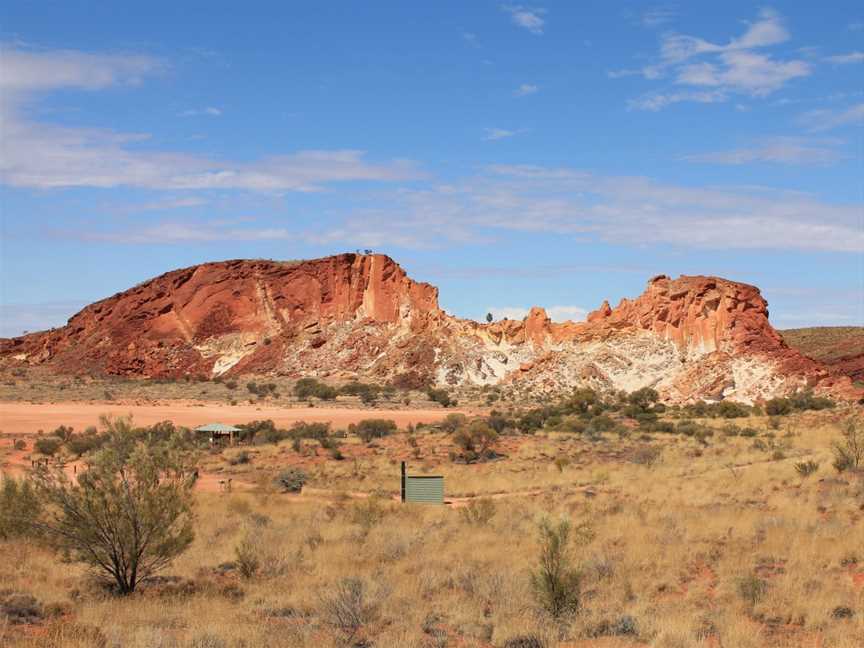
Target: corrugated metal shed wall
[427, 490]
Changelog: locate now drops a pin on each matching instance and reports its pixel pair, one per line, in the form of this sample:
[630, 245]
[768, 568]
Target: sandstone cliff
[353, 315]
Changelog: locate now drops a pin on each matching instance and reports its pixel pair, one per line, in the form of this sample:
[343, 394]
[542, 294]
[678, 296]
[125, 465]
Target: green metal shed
[423, 489]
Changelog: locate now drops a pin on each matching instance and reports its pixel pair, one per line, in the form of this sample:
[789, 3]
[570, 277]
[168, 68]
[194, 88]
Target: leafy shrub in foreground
[556, 583]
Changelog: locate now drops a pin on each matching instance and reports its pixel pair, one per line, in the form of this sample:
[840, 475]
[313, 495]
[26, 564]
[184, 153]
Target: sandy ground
[21, 420]
[28, 418]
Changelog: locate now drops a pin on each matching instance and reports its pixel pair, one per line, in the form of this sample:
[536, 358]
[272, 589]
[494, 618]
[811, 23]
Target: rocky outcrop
[351, 316]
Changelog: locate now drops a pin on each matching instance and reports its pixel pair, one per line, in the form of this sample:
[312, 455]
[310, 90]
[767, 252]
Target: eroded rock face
[353, 315]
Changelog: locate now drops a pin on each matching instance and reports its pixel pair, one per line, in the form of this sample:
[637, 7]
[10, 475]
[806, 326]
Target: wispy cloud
[493, 134]
[209, 111]
[826, 119]
[555, 313]
[172, 233]
[621, 210]
[714, 71]
[845, 59]
[526, 89]
[656, 17]
[44, 155]
[777, 150]
[471, 39]
[530, 18]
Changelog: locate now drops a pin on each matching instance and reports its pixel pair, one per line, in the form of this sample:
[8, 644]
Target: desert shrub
[291, 480]
[367, 393]
[89, 441]
[440, 396]
[306, 388]
[241, 458]
[556, 582]
[19, 508]
[806, 468]
[247, 556]
[751, 589]
[643, 398]
[128, 515]
[453, 422]
[265, 430]
[805, 400]
[20, 608]
[478, 511]
[303, 430]
[778, 407]
[19, 444]
[646, 455]
[731, 409]
[531, 421]
[849, 450]
[476, 440]
[367, 514]
[572, 424]
[582, 400]
[602, 423]
[47, 445]
[369, 429]
[347, 608]
[64, 433]
[525, 641]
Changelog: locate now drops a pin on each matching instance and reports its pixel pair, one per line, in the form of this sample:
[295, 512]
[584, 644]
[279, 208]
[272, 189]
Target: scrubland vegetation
[585, 521]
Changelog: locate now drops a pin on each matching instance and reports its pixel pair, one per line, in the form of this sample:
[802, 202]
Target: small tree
[849, 451]
[129, 513]
[489, 317]
[19, 507]
[556, 582]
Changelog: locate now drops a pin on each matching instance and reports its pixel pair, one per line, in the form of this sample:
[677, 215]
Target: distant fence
[423, 489]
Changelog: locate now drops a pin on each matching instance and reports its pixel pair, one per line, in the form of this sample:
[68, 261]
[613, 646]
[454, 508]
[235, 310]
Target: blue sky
[555, 154]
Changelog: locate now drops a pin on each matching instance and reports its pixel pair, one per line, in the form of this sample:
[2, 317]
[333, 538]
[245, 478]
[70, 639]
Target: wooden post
[403, 482]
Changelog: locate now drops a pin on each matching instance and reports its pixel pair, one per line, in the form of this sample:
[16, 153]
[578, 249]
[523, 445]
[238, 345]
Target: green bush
[440, 396]
[369, 429]
[47, 445]
[556, 582]
[306, 388]
[19, 508]
[292, 480]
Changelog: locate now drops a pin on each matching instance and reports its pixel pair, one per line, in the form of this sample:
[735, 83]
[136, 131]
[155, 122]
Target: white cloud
[555, 313]
[169, 233]
[622, 210]
[210, 111]
[25, 71]
[779, 150]
[525, 89]
[825, 119]
[728, 69]
[842, 59]
[499, 133]
[44, 155]
[530, 18]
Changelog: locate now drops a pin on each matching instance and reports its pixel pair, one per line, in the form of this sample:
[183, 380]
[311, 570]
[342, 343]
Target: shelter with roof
[219, 432]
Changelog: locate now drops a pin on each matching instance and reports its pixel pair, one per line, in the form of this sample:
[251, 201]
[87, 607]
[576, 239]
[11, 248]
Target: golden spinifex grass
[714, 543]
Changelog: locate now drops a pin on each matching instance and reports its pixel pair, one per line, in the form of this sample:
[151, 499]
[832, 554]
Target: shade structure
[218, 428]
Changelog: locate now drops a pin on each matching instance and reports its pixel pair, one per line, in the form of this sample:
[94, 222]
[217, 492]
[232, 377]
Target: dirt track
[28, 418]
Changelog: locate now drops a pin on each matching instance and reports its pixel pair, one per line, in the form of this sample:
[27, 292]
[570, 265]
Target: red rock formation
[360, 315]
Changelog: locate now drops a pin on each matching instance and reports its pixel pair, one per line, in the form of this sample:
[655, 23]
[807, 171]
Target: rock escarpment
[360, 316]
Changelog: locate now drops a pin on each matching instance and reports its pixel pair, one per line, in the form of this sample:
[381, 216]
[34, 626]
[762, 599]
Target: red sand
[28, 418]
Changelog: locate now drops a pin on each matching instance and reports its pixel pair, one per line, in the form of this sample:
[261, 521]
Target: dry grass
[721, 544]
